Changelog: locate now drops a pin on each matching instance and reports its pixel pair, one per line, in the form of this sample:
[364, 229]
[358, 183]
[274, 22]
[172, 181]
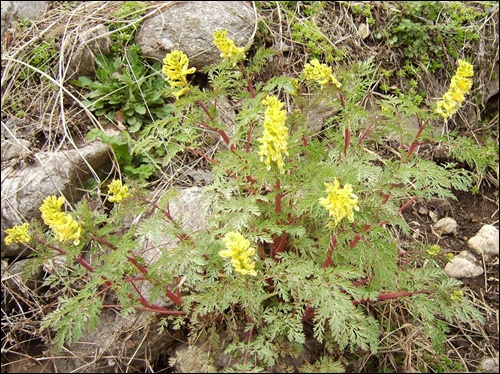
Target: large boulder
[188, 26]
[20, 9]
[52, 173]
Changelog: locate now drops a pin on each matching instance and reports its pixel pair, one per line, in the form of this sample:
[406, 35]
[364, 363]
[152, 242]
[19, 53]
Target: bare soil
[471, 211]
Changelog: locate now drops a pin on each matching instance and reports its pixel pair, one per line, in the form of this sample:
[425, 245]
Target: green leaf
[140, 109]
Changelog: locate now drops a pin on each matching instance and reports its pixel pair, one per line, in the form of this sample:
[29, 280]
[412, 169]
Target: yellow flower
[295, 85]
[117, 191]
[176, 68]
[51, 210]
[18, 234]
[434, 250]
[340, 202]
[320, 73]
[226, 46]
[274, 138]
[240, 252]
[460, 85]
[465, 69]
[67, 229]
[457, 295]
[63, 225]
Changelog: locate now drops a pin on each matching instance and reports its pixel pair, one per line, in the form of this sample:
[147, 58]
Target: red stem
[277, 198]
[218, 131]
[347, 140]
[176, 299]
[250, 85]
[388, 195]
[407, 204]
[415, 142]
[341, 98]
[173, 297]
[364, 134]
[309, 312]
[181, 237]
[79, 259]
[357, 236]
[250, 334]
[392, 295]
[333, 244]
[202, 155]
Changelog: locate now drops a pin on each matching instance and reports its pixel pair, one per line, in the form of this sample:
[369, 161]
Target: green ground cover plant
[300, 239]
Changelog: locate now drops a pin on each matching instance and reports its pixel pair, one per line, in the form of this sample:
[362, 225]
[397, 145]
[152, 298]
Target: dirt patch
[471, 212]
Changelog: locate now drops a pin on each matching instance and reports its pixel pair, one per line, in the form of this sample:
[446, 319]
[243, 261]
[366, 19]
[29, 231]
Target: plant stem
[347, 140]
[250, 334]
[173, 297]
[245, 74]
[392, 295]
[183, 236]
[415, 142]
[333, 244]
[218, 131]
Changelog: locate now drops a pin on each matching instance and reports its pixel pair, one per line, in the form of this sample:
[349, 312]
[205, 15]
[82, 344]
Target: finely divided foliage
[270, 261]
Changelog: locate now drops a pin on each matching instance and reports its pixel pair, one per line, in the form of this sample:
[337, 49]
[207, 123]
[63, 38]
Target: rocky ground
[471, 212]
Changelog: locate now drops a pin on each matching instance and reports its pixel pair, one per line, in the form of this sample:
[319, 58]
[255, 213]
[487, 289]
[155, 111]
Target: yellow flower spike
[117, 191]
[274, 138]
[460, 85]
[51, 209]
[68, 229]
[240, 252]
[63, 225]
[340, 202]
[18, 234]
[465, 69]
[320, 73]
[176, 68]
[226, 46]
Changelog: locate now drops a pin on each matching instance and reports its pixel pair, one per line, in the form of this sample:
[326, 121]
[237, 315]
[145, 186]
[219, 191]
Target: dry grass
[52, 117]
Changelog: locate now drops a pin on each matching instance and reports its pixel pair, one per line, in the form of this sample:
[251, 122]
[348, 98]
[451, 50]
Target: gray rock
[15, 148]
[485, 241]
[445, 226]
[117, 340]
[192, 359]
[92, 41]
[488, 365]
[318, 112]
[464, 265]
[188, 26]
[22, 9]
[187, 210]
[12, 279]
[53, 173]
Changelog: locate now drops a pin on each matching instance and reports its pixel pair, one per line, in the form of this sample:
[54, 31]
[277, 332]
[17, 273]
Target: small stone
[364, 30]
[433, 216]
[464, 265]
[445, 226]
[485, 241]
[423, 210]
[488, 365]
[52, 265]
